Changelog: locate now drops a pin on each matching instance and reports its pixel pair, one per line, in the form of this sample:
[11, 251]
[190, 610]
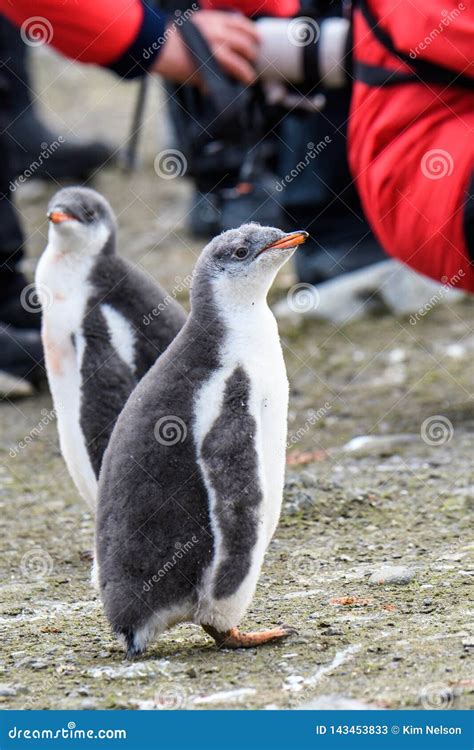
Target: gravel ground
[372, 561]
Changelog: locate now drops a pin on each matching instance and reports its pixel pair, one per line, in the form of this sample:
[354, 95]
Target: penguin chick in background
[96, 342]
[192, 482]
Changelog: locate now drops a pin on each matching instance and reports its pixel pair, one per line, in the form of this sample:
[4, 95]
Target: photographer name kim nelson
[431, 729]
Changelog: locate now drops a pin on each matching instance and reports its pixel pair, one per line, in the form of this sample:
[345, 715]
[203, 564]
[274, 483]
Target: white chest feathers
[65, 291]
[253, 343]
[122, 335]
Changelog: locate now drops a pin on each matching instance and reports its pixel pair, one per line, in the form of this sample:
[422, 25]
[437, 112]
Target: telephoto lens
[303, 50]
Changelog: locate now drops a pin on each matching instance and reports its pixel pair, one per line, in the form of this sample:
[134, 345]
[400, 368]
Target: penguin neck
[239, 311]
[82, 242]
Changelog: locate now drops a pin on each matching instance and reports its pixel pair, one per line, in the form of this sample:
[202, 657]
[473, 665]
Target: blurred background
[379, 474]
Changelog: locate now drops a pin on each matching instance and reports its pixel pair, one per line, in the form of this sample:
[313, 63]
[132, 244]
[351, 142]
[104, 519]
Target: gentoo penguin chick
[96, 341]
[192, 481]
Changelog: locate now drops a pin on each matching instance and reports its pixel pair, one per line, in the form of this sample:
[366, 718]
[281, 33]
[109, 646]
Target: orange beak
[289, 240]
[59, 216]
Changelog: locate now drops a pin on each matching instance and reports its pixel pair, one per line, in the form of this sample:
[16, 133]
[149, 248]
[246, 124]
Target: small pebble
[333, 631]
[7, 691]
[88, 705]
[337, 703]
[294, 679]
[392, 574]
[39, 664]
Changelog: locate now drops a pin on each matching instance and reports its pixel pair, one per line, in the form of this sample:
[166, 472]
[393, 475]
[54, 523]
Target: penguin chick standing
[96, 342]
[191, 486]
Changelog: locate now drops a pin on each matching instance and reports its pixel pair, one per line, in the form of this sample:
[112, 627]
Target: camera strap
[421, 70]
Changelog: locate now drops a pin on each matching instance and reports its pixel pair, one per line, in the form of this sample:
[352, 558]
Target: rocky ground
[372, 561]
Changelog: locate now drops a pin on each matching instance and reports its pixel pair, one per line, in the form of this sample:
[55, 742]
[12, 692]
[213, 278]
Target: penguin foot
[233, 638]
[133, 652]
[127, 638]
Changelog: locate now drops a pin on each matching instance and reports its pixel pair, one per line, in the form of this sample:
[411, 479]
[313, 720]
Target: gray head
[81, 221]
[238, 267]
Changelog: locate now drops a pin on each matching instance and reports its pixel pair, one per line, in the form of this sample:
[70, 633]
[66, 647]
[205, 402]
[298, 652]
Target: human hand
[233, 40]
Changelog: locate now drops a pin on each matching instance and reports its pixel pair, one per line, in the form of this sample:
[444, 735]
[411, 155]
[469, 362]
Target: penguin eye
[241, 253]
[89, 214]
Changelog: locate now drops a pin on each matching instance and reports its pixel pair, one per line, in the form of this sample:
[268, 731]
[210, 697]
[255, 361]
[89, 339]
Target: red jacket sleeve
[278, 8]
[124, 35]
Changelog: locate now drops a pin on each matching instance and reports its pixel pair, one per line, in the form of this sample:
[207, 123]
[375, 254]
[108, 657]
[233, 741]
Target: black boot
[18, 306]
[36, 151]
[340, 243]
[21, 354]
[318, 194]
